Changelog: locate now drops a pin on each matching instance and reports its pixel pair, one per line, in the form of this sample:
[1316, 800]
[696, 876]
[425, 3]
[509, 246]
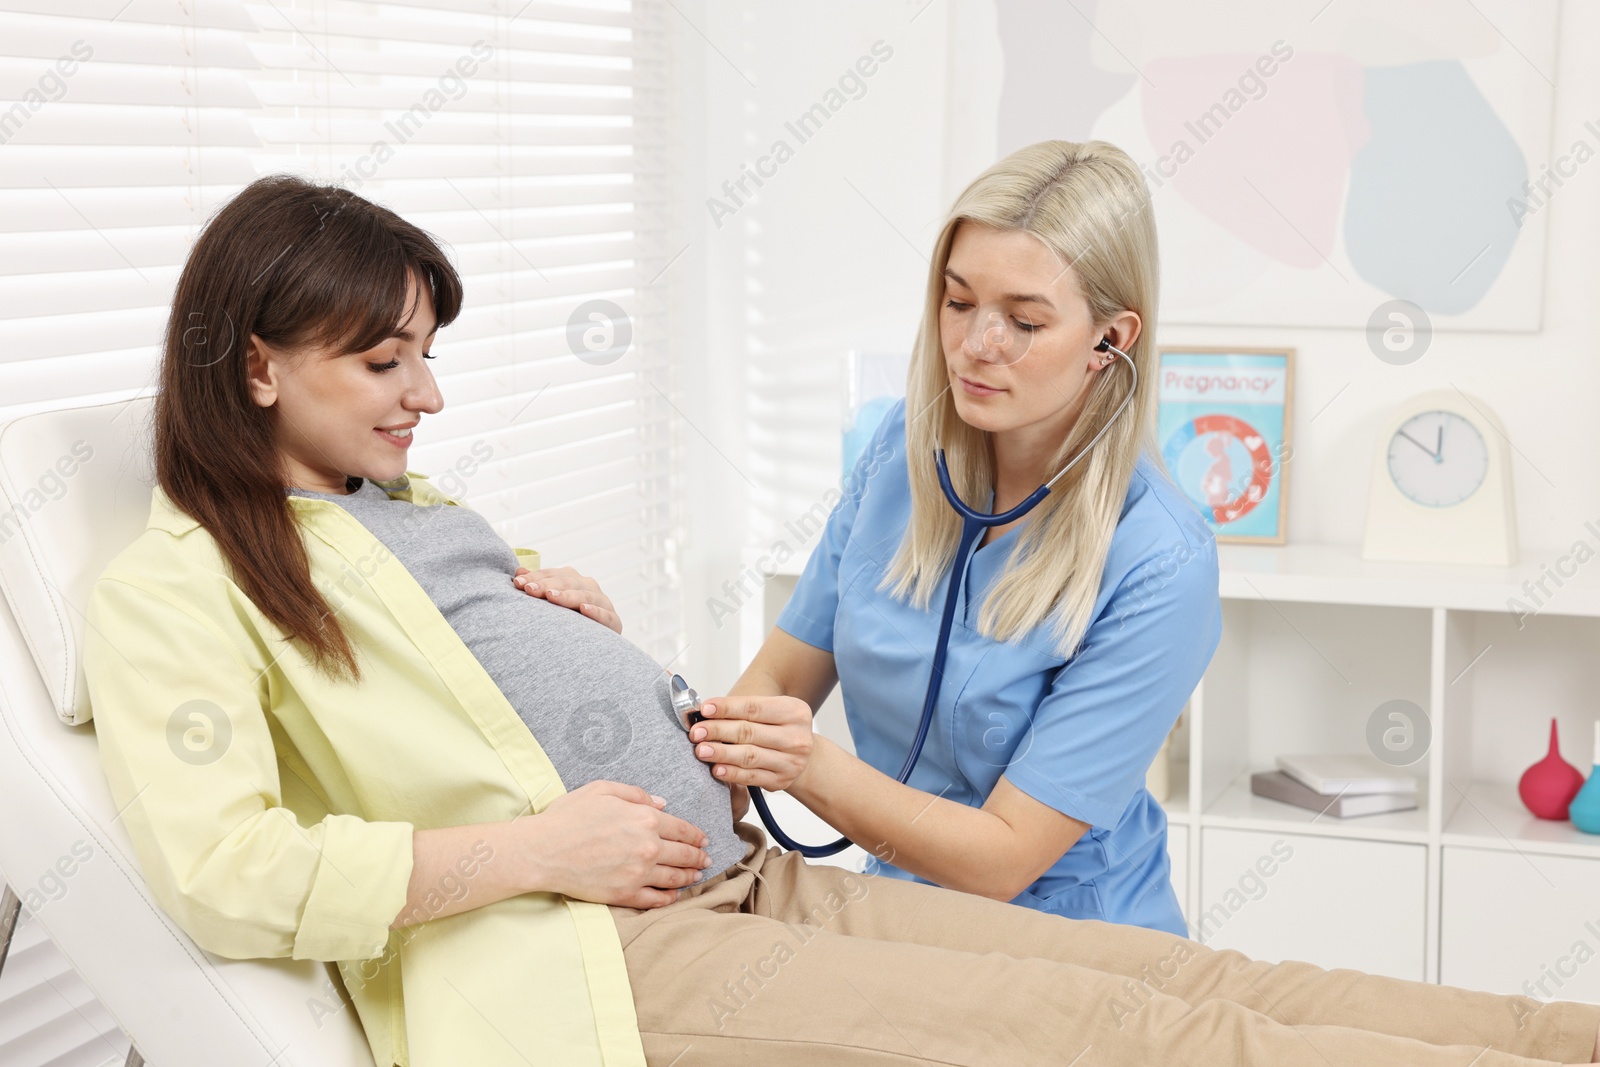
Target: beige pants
[778, 961]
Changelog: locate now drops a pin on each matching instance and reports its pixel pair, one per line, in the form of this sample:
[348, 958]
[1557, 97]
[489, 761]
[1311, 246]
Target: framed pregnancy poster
[1222, 422]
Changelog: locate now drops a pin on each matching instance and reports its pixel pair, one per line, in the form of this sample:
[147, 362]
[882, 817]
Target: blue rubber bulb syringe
[1585, 809]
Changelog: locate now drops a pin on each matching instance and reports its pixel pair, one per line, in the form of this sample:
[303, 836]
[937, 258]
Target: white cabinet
[1469, 888]
[1521, 922]
[1335, 902]
[1178, 858]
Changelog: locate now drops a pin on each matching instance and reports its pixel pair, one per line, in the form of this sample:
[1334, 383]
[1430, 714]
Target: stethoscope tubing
[973, 523]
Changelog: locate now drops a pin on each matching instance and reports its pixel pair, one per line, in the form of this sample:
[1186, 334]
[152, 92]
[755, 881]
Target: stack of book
[1341, 786]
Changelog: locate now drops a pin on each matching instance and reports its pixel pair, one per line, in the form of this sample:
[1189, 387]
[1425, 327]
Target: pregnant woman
[340, 725]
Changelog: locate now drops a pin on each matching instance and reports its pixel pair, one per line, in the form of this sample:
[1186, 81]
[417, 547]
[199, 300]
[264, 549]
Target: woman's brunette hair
[303, 266]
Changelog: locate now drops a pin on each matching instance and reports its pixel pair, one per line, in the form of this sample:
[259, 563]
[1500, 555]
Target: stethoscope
[686, 702]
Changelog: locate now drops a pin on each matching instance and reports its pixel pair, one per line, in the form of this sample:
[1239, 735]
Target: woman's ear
[261, 373]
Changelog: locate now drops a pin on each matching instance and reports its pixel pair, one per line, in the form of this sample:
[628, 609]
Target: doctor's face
[1017, 335]
[338, 414]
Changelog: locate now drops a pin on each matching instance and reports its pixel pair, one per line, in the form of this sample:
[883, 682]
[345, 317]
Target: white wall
[813, 267]
[829, 255]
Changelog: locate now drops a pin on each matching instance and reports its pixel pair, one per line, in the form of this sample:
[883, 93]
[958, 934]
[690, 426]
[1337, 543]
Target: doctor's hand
[763, 741]
[611, 843]
[566, 588]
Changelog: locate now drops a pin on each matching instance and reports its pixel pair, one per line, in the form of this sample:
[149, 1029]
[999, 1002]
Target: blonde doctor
[1080, 629]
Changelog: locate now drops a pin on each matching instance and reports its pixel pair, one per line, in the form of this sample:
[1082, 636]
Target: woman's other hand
[567, 588]
[612, 844]
[763, 741]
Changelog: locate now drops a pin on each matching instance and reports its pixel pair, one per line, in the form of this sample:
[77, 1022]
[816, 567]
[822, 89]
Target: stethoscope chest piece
[685, 703]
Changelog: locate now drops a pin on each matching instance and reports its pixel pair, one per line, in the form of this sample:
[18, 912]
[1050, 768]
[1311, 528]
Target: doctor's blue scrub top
[1078, 735]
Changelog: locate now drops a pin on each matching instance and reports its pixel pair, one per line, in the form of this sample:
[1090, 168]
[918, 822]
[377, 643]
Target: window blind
[526, 137]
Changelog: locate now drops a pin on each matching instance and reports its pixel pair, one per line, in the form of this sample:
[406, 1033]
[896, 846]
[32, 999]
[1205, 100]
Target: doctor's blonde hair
[1088, 203]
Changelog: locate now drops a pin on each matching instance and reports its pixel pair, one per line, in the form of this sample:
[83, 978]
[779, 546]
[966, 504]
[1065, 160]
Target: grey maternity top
[597, 704]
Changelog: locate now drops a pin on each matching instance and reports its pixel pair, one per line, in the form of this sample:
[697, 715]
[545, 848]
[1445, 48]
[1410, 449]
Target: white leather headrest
[74, 491]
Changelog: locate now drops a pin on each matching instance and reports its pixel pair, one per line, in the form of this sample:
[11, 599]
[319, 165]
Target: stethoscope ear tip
[1105, 345]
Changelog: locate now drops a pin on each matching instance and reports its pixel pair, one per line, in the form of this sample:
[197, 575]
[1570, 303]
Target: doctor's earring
[1109, 356]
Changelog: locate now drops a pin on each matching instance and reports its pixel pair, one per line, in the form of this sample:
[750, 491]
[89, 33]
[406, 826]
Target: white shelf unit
[1469, 888]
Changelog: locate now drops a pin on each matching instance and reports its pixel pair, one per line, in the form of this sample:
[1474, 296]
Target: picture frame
[1224, 425]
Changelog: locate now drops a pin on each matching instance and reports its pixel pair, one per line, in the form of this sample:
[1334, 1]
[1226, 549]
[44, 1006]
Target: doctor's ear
[1120, 332]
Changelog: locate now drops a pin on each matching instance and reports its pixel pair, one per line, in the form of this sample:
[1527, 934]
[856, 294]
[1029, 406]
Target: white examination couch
[181, 1007]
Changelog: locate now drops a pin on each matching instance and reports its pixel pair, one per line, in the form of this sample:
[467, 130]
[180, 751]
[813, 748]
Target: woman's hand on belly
[566, 588]
[763, 741]
[610, 843]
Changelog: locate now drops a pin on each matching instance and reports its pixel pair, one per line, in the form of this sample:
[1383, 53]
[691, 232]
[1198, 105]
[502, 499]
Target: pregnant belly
[600, 708]
[636, 742]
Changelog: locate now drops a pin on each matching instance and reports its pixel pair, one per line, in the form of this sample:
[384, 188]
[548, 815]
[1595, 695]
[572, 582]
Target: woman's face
[332, 413]
[1017, 335]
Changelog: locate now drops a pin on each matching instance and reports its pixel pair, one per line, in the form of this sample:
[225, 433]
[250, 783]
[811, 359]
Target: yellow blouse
[272, 810]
